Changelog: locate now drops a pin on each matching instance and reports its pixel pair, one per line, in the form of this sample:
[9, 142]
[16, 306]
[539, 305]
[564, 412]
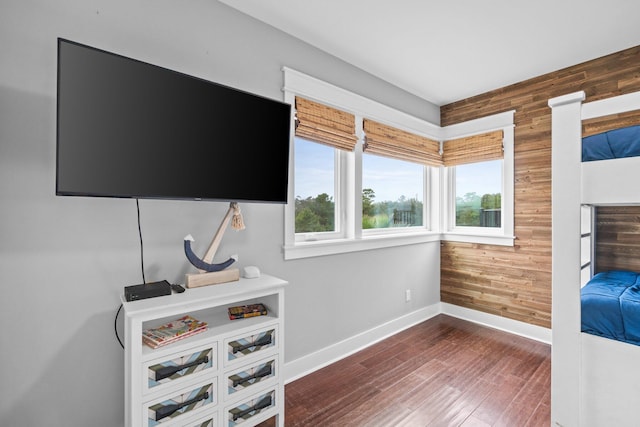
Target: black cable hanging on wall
[144, 280]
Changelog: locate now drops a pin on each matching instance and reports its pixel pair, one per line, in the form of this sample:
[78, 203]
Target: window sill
[485, 239]
[340, 246]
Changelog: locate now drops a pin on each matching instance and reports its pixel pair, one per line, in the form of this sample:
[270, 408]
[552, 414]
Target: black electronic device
[177, 288]
[126, 128]
[147, 290]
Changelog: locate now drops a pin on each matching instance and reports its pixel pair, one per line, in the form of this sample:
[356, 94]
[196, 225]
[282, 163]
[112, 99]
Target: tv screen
[126, 128]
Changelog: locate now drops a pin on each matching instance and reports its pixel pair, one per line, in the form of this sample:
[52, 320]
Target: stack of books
[250, 310]
[171, 332]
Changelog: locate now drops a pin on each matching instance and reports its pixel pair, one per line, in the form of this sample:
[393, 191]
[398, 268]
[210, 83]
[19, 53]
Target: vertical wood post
[566, 152]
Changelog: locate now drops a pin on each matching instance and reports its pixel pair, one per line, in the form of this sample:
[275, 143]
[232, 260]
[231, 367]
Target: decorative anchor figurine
[209, 273]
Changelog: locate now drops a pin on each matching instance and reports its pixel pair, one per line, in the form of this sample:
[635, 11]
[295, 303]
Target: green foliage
[307, 221]
[315, 214]
[470, 206]
[368, 221]
[367, 202]
[401, 213]
[468, 210]
[491, 201]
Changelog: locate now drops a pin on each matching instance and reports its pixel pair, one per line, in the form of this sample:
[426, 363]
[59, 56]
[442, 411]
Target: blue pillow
[625, 142]
[596, 147]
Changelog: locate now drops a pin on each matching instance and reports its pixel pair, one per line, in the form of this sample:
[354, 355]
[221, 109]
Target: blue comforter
[614, 144]
[611, 306]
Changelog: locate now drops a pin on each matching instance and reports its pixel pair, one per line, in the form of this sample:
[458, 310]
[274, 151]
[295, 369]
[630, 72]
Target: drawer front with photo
[209, 420]
[251, 408]
[160, 373]
[244, 380]
[251, 345]
[180, 405]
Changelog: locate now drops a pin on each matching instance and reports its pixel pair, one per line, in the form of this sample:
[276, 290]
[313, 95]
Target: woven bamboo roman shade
[325, 125]
[390, 142]
[476, 148]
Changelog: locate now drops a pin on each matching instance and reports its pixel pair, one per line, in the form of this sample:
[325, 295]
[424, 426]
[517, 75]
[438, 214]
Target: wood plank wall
[617, 238]
[515, 282]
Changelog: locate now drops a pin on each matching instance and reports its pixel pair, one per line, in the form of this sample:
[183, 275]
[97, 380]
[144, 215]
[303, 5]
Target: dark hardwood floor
[442, 372]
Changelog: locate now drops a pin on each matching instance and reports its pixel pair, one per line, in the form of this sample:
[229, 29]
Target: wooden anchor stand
[204, 278]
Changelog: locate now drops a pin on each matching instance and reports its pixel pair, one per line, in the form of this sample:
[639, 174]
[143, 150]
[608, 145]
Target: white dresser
[228, 376]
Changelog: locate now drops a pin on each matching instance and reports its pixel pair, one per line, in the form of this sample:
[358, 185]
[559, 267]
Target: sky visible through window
[481, 178]
[390, 179]
[314, 174]
[314, 169]
[315, 163]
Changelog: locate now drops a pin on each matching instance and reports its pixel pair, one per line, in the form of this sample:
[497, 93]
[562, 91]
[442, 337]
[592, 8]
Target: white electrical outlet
[407, 295]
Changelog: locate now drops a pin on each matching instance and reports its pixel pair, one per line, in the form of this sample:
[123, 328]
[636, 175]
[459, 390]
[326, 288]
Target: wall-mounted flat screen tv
[126, 128]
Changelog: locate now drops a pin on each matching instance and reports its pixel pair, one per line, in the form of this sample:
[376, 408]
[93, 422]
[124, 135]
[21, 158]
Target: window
[324, 135]
[392, 193]
[358, 183]
[345, 199]
[394, 170]
[478, 184]
[315, 187]
[478, 194]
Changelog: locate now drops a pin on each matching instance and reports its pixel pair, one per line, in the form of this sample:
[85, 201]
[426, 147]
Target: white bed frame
[594, 381]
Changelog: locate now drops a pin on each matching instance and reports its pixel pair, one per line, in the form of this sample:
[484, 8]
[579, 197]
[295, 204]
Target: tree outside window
[478, 194]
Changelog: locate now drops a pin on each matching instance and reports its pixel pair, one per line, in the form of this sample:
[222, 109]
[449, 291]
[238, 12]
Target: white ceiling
[448, 50]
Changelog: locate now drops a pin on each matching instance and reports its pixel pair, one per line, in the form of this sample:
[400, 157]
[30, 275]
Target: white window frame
[341, 166]
[503, 235]
[451, 207]
[438, 219]
[351, 238]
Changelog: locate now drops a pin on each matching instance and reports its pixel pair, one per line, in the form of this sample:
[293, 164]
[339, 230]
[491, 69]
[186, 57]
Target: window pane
[314, 186]
[479, 194]
[392, 192]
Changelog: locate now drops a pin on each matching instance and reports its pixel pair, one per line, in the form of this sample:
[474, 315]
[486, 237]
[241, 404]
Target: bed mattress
[614, 144]
[610, 304]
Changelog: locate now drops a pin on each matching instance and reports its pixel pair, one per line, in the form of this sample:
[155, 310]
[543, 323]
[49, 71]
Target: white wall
[64, 261]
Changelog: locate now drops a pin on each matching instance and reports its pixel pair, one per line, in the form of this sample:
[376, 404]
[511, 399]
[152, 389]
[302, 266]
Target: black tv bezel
[59, 192]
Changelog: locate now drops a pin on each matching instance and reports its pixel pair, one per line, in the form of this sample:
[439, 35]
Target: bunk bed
[594, 379]
[610, 300]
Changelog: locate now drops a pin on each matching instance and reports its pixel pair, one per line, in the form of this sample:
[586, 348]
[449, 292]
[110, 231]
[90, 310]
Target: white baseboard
[523, 329]
[312, 362]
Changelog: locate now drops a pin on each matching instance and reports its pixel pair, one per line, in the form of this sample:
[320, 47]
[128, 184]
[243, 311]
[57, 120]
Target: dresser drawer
[250, 345]
[251, 408]
[180, 404]
[245, 378]
[210, 420]
[179, 367]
